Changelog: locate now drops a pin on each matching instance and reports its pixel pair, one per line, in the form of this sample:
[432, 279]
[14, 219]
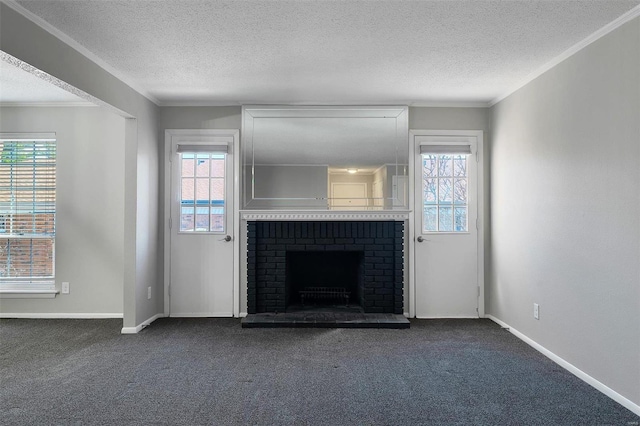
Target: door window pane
[460, 165]
[430, 193]
[444, 193]
[202, 192]
[445, 219]
[430, 219]
[429, 163]
[445, 168]
[460, 219]
[460, 191]
[444, 190]
[187, 220]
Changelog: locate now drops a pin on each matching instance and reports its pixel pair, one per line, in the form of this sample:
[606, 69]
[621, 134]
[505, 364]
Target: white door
[201, 226]
[349, 196]
[446, 235]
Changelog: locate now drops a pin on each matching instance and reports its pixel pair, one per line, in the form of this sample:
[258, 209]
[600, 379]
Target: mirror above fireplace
[325, 158]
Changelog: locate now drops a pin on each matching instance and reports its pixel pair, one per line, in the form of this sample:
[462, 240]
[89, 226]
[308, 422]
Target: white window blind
[202, 148]
[445, 149]
[27, 209]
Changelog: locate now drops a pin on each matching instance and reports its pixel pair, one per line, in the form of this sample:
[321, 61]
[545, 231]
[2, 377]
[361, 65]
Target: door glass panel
[430, 219]
[444, 190]
[430, 191]
[202, 195]
[460, 219]
[445, 223]
[429, 163]
[202, 165]
[460, 165]
[188, 165]
[187, 219]
[217, 167]
[444, 166]
[444, 193]
[460, 191]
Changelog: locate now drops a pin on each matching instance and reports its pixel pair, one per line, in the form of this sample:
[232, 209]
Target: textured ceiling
[327, 52]
[21, 87]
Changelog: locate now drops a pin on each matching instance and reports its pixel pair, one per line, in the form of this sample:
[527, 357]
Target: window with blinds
[27, 209]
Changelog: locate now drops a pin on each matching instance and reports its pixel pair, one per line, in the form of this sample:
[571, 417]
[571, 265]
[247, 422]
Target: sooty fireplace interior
[323, 278]
[305, 264]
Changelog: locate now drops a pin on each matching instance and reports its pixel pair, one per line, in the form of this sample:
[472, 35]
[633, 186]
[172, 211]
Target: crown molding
[81, 49]
[450, 104]
[199, 104]
[611, 26]
[417, 104]
[46, 104]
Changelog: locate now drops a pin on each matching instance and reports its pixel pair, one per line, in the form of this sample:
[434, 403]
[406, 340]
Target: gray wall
[439, 118]
[565, 206]
[283, 181]
[200, 117]
[90, 207]
[28, 42]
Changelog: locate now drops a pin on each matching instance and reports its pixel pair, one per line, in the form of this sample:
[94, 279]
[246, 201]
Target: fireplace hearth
[293, 265]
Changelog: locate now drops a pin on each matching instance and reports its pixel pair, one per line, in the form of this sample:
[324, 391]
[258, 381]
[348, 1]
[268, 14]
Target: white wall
[26, 41]
[566, 208]
[90, 208]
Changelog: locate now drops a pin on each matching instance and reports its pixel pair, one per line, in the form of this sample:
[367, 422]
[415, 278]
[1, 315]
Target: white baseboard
[449, 317]
[143, 324]
[202, 315]
[54, 315]
[242, 314]
[570, 367]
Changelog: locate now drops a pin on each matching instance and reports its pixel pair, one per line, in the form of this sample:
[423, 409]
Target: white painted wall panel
[90, 207]
[565, 208]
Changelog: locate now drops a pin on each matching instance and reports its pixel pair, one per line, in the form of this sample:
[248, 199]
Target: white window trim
[15, 289]
[38, 290]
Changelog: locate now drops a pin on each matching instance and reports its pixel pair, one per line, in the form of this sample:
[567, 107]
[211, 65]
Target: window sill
[28, 294]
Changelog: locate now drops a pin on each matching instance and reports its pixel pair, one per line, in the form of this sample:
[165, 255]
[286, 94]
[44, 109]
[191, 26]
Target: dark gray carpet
[213, 372]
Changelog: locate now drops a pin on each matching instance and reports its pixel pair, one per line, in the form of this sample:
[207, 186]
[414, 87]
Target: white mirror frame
[250, 113]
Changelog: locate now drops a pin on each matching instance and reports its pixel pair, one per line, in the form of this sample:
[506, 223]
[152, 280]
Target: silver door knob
[420, 239]
[227, 238]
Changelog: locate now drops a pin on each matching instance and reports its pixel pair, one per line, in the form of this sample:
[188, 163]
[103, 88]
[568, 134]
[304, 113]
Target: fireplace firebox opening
[323, 278]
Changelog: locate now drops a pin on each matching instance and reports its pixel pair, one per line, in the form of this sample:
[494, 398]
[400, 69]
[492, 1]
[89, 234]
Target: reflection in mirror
[338, 158]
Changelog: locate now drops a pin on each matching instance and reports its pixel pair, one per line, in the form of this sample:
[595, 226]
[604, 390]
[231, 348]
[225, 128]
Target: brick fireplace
[356, 263]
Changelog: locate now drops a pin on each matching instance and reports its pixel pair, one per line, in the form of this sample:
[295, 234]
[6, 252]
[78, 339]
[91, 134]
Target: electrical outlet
[536, 311]
[149, 293]
[65, 288]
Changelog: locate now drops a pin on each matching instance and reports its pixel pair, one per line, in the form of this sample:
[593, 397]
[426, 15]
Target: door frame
[175, 135]
[413, 217]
